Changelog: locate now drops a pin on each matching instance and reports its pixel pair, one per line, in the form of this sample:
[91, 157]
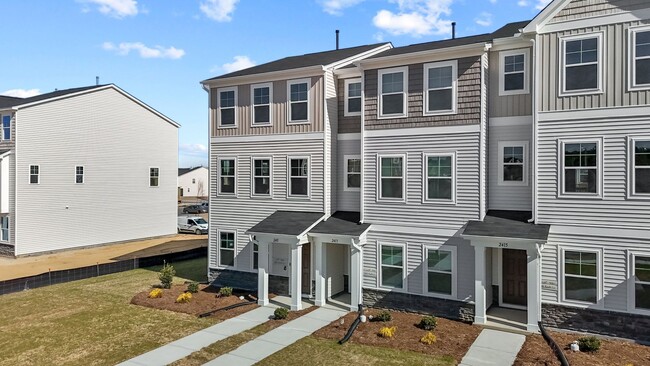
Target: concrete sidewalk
[493, 348]
[279, 338]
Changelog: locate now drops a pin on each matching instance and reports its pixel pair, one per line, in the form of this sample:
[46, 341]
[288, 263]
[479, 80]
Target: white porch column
[480, 316]
[296, 277]
[534, 290]
[263, 274]
[319, 272]
[356, 278]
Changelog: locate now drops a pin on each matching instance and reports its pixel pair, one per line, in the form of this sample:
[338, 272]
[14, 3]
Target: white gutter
[362, 141]
[477, 46]
[535, 101]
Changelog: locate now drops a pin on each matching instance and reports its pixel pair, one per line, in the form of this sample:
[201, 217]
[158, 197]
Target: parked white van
[192, 224]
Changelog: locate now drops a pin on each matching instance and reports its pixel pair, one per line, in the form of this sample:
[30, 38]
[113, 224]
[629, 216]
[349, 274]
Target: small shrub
[184, 298]
[155, 293]
[429, 338]
[428, 322]
[589, 344]
[225, 291]
[166, 275]
[384, 316]
[281, 313]
[193, 287]
[387, 332]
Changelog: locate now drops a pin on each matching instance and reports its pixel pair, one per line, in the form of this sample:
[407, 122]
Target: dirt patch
[453, 338]
[203, 301]
[612, 352]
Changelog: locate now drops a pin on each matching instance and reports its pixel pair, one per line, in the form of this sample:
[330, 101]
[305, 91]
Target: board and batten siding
[413, 212]
[580, 9]
[468, 99]
[117, 141]
[614, 78]
[347, 200]
[508, 105]
[509, 197]
[347, 124]
[279, 111]
[243, 212]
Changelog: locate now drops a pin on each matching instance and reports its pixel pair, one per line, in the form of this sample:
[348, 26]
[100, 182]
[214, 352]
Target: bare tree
[200, 190]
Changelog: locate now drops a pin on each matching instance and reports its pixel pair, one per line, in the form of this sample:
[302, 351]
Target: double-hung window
[154, 175]
[79, 174]
[227, 107]
[582, 63]
[640, 180]
[641, 282]
[513, 72]
[440, 87]
[299, 177]
[513, 163]
[391, 177]
[640, 49]
[352, 97]
[298, 91]
[392, 92]
[439, 169]
[439, 271]
[581, 167]
[226, 248]
[392, 266]
[581, 276]
[262, 177]
[4, 228]
[352, 173]
[6, 127]
[227, 176]
[262, 97]
[34, 174]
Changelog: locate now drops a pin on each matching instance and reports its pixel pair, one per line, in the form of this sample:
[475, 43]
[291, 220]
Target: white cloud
[541, 4]
[125, 48]
[484, 19]
[219, 10]
[115, 8]
[239, 63]
[335, 7]
[21, 93]
[415, 17]
[523, 3]
[193, 149]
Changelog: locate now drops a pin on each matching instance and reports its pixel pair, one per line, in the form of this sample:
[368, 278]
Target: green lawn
[90, 322]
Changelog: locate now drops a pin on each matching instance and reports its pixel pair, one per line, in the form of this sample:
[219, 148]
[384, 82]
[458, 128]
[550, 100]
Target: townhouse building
[455, 177]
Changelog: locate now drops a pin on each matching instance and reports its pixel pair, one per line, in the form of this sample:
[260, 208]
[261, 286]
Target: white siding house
[194, 182]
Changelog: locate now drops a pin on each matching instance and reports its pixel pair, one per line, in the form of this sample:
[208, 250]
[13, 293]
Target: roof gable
[545, 16]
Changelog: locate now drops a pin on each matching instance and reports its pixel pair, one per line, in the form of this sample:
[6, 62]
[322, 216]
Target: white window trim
[502, 72]
[149, 176]
[8, 230]
[346, 83]
[252, 193]
[253, 242]
[631, 52]
[599, 160]
[219, 91]
[599, 279]
[522, 144]
[379, 182]
[289, 102]
[601, 60]
[405, 71]
[631, 283]
[454, 271]
[425, 177]
[631, 168]
[219, 193]
[29, 174]
[454, 88]
[2, 132]
[234, 261]
[345, 173]
[380, 276]
[83, 175]
[256, 86]
[300, 197]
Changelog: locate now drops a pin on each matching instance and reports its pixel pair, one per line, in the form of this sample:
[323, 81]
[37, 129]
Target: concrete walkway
[493, 348]
[279, 338]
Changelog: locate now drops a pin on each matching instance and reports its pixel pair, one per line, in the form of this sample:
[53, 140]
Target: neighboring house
[68, 176]
[498, 170]
[194, 182]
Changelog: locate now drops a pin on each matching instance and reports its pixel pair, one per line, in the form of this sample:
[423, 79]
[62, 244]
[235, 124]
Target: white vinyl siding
[639, 55]
[391, 177]
[227, 176]
[514, 72]
[352, 101]
[440, 83]
[391, 266]
[393, 87]
[262, 98]
[582, 64]
[440, 177]
[227, 114]
[298, 97]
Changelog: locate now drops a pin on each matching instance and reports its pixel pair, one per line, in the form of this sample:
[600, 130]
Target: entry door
[306, 269]
[514, 277]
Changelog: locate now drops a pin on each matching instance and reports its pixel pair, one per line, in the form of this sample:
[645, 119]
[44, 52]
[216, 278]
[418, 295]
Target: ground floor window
[4, 228]
[226, 248]
[439, 265]
[581, 276]
[392, 266]
[642, 282]
[256, 252]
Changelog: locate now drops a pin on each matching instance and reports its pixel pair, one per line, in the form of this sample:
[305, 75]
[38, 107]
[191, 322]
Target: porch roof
[292, 223]
[507, 224]
[341, 223]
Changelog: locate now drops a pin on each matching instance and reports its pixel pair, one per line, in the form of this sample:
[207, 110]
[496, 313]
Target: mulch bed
[454, 338]
[203, 301]
[612, 352]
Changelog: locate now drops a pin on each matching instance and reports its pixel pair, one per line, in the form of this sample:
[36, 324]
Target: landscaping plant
[184, 298]
[428, 322]
[387, 332]
[384, 316]
[589, 344]
[225, 291]
[166, 275]
[155, 293]
[193, 287]
[429, 338]
[281, 313]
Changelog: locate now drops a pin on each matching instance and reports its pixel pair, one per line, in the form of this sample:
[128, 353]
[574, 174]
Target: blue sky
[159, 50]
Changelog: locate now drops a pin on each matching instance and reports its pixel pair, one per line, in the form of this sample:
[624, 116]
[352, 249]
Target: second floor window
[513, 168]
[440, 177]
[79, 174]
[154, 175]
[581, 64]
[227, 105]
[352, 173]
[261, 104]
[298, 101]
[440, 81]
[352, 97]
[391, 177]
[641, 167]
[6, 127]
[298, 177]
[640, 58]
[513, 72]
[392, 92]
[262, 177]
[580, 167]
[34, 174]
[227, 176]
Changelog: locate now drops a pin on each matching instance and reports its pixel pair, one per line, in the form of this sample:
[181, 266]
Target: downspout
[535, 94]
[211, 204]
[362, 142]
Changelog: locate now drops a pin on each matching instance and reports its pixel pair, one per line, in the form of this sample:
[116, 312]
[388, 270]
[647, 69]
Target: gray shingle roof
[287, 223]
[507, 224]
[8, 102]
[182, 171]
[341, 223]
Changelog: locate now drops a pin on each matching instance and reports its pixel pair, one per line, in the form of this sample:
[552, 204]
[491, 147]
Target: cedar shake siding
[469, 99]
[349, 124]
[580, 9]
